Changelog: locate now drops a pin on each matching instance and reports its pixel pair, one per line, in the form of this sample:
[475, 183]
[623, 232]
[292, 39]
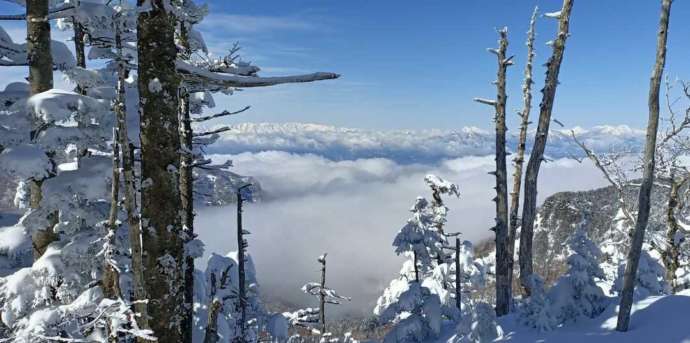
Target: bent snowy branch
[193, 75]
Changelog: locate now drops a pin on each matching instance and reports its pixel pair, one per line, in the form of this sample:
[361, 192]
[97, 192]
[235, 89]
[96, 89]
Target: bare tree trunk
[161, 229]
[458, 275]
[502, 254]
[111, 277]
[520, 153]
[38, 46]
[671, 254]
[648, 173]
[322, 296]
[529, 206]
[503, 271]
[40, 63]
[241, 245]
[187, 189]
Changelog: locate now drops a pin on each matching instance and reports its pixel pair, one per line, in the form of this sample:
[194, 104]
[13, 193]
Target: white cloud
[406, 146]
[352, 209]
[238, 23]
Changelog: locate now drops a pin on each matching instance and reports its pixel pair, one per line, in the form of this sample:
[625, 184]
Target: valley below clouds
[351, 209]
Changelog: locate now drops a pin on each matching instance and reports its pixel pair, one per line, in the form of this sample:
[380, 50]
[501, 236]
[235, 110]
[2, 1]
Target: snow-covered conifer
[576, 294]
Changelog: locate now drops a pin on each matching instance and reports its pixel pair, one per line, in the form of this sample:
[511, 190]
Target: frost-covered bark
[161, 229]
[529, 206]
[648, 172]
[521, 146]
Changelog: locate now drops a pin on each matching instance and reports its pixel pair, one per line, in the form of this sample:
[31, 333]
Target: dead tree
[529, 206]
[519, 159]
[111, 277]
[648, 173]
[501, 229]
[241, 249]
[322, 295]
[161, 229]
[458, 275]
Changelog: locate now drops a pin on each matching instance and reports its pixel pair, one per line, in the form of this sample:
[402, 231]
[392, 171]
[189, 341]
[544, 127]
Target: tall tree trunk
[39, 57]
[648, 173]
[161, 229]
[40, 63]
[502, 254]
[322, 296]
[458, 275]
[242, 296]
[529, 206]
[130, 187]
[111, 277]
[519, 159]
[187, 187]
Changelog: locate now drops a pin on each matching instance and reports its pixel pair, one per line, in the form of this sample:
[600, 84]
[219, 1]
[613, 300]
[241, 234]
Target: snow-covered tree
[537, 311]
[650, 278]
[576, 294]
[415, 314]
[324, 294]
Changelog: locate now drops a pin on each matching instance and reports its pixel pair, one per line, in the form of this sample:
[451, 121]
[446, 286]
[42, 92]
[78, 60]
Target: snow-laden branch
[212, 132]
[218, 115]
[196, 75]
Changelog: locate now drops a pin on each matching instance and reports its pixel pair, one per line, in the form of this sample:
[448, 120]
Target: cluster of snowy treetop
[105, 250]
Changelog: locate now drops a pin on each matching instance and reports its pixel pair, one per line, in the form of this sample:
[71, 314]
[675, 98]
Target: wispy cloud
[239, 23]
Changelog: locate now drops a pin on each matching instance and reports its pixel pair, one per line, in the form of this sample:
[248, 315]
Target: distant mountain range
[409, 146]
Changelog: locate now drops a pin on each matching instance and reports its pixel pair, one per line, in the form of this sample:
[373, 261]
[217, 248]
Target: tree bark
[161, 229]
[39, 57]
[40, 63]
[502, 254]
[529, 206]
[633, 259]
[187, 189]
[111, 277]
[521, 147]
[671, 254]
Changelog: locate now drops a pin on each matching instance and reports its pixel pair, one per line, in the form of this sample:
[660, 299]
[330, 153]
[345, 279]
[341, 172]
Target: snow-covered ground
[662, 319]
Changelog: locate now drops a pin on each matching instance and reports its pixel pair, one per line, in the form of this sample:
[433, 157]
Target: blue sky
[411, 64]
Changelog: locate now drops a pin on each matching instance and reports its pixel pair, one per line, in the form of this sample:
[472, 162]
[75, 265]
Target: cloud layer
[352, 209]
[408, 146]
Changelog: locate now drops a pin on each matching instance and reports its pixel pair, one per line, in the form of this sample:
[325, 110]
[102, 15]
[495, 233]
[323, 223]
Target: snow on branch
[485, 101]
[553, 15]
[218, 115]
[194, 75]
[212, 132]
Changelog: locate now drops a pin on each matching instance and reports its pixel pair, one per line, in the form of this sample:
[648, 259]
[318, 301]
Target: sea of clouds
[352, 208]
